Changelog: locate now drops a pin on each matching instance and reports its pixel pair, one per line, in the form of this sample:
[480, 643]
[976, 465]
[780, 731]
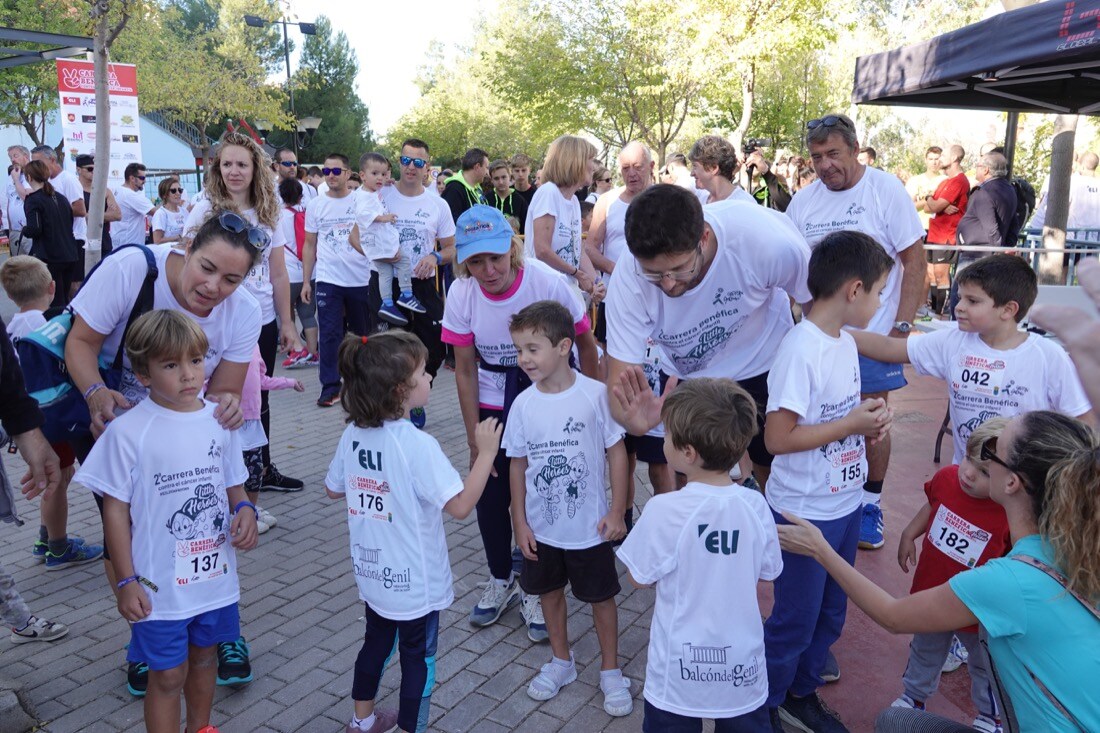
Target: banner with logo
[76, 86]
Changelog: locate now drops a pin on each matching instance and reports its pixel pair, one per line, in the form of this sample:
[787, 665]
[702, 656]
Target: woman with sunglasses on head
[1043, 621]
[203, 282]
[169, 219]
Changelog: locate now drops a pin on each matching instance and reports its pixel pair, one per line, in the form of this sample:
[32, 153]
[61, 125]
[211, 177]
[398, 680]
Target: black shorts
[589, 572]
[599, 328]
[757, 387]
[648, 448]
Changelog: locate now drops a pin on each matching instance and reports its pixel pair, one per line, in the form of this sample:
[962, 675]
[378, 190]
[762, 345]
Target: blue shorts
[879, 376]
[164, 644]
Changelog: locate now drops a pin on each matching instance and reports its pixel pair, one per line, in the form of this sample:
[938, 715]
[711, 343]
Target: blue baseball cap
[482, 229]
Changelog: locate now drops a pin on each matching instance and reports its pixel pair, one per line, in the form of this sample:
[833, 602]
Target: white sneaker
[956, 656]
[261, 526]
[907, 702]
[39, 629]
[986, 724]
[531, 610]
[497, 598]
[617, 701]
[268, 518]
[551, 678]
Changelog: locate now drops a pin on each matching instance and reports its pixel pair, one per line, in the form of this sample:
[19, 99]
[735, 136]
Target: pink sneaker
[295, 359]
[384, 722]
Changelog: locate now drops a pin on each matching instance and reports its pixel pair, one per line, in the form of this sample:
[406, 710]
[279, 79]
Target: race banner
[76, 87]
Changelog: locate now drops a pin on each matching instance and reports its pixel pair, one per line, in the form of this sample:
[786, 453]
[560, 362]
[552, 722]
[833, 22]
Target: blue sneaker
[390, 314]
[38, 552]
[871, 528]
[497, 598]
[531, 610]
[418, 417]
[410, 303]
[137, 678]
[233, 665]
[77, 553]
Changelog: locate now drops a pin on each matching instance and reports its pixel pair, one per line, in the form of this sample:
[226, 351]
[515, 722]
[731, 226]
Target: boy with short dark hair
[168, 474]
[558, 434]
[992, 368]
[816, 427]
[706, 643]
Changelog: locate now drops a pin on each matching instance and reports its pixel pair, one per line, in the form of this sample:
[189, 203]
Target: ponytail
[39, 172]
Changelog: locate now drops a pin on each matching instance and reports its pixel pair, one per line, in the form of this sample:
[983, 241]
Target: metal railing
[1031, 247]
[185, 131]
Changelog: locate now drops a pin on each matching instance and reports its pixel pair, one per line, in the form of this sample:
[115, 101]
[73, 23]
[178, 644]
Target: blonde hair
[567, 161]
[163, 334]
[991, 429]
[261, 192]
[515, 258]
[25, 278]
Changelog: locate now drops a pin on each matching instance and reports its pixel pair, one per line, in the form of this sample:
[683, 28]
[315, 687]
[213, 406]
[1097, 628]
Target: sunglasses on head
[418, 162]
[175, 190]
[331, 171]
[288, 163]
[235, 223]
[827, 121]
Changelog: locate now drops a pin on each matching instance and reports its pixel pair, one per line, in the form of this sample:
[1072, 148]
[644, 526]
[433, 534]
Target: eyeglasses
[332, 171]
[140, 178]
[257, 237]
[989, 453]
[175, 190]
[827, 121]
[418, 162]
[674, 275]
[288, 163]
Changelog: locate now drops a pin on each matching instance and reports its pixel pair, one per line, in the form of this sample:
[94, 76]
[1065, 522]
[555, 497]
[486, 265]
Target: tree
[325, 87]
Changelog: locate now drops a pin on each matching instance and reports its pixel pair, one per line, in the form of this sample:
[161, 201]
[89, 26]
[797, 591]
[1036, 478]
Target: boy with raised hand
[558, 435]
[706, 642]
[174, 508]
[992, 368]
[816, 427]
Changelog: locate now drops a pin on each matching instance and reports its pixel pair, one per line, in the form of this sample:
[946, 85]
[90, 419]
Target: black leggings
[493, 519]
[269, 349]
[417, 640]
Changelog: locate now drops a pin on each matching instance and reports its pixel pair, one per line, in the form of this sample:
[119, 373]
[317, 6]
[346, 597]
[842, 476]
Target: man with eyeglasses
[135, 206]
[711, 286]
[286, 166]
[85, 168]
[849, 195]
[65, 183]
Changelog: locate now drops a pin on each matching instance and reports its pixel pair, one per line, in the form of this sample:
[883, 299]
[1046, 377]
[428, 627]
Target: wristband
[245, 503]
[93, 389]
[575, 271]
[126, 581]
[438, 257]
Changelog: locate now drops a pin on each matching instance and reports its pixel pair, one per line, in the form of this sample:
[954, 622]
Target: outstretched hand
[638, 406]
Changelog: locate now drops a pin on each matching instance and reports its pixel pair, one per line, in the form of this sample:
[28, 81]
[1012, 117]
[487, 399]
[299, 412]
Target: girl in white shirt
[396, 480]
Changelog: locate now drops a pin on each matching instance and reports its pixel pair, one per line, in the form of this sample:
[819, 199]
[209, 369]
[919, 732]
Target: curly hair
[376, 372]
[261, 193]
[717, 151]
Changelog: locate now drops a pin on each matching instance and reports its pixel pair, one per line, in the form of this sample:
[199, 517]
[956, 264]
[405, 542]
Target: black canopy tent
[1041, 58]
[61, 47]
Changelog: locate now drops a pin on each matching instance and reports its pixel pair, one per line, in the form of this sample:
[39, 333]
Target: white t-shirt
[566, 242]
[68, 185]
[614, 238]
[731, 323]
[16, 214]
[396, 480]
[1084, 206]
[332, 220]
[877, 206]
[233, 326]
[421, 220]
[475, 318]
[308, 192]
[258, 280]
[983, 382]
[816, 377]
[169, 222]
[290, 244]
[23, 323]
[130, 229]
[173, 469]
[684, 179]
[564, 437]
[705, 547]
[378, 239]
[651, 365]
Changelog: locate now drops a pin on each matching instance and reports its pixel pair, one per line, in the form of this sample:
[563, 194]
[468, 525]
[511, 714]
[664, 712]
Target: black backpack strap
[144, 302]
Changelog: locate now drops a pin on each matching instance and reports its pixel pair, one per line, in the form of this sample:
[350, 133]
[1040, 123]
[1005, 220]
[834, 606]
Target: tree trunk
[748, 97]
[93, 245]
[1054, 228]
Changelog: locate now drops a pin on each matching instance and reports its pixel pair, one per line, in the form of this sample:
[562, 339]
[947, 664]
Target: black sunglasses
[175, 190]
[332, 171]
[605, 180]
[288, 163]
[140, 178]
[418, 162]
[231, 222]
[827, 121]
[89, 168]
[989, 453]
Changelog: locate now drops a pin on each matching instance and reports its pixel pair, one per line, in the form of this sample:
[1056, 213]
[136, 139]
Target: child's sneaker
[831, 671]
[209, 729]
[390, 314]
[907, 702]
[266, 517]
[617, 701]
[137, 678]
[985, 724]
[410, 303]
[295, 359]
[810, 714]
[497, 598]
[233, 665]
[384, 722]
[551, 678]
[262, 527]
[957, 656]
[871, 528]
[38, 629]
[531, 610]
[76, 553]
[418, 417]
[39, 550]
[312, 361]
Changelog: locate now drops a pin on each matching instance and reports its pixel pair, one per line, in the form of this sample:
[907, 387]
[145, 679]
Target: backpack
[299, 230]
[1025, 202]
[46, 377]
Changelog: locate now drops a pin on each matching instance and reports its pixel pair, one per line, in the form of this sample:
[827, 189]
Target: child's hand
[243, 529]
[907, 553]
[133, 602]
[886, 421]
[487, 436]
[525, 540]
[386, 218]
[298, 386]
[612, 527]
[867, 417]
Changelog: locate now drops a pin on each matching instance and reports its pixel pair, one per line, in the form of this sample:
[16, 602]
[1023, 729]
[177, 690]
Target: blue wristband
[438, 257]
[247, 504]
[127, 581]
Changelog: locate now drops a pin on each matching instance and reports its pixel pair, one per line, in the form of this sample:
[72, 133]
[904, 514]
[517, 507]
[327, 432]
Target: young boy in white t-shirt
[992, 368]
[27, 282]
[174, 509]
[558, 435]
[706, 547]
[816, 427]
[382, 243]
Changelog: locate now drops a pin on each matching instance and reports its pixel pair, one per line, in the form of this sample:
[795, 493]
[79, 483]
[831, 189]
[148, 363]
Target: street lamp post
[307, 29]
